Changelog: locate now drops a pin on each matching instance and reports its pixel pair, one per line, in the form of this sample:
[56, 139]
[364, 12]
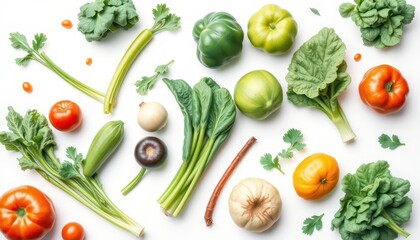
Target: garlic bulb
[255, 204]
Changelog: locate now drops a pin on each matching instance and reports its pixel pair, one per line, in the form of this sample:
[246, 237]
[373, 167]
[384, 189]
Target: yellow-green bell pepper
[272, 29]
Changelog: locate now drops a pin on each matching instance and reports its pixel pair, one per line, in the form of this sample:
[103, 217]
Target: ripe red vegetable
[384, 89]
[65, 115]
[73, 231]
[26, 213]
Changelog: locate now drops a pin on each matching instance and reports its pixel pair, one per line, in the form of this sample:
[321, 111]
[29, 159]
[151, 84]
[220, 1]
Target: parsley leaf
[146, 83]
[71, 169]
[390, 142]
[295, 138]
[269, 163]
[312, 223]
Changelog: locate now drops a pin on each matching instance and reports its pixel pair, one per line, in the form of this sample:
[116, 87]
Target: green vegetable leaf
[346, 9]
[269, 163]
[183, 95]
[19, 41]
[317, 76]
[314, 65]
[295, 138]
[164, 20]
[311, 224]
[315, 11]
[390, 142]
[68, 171]
[27, 164]
[147, 83]
[375, 204]
[72, 154]
[39, 41]
[381, 22]
[98, 18]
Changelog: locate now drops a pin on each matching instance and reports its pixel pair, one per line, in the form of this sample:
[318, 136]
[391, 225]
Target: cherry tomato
[27, 87]
[89, 61]
[67, 23]
[65, 115]
[73, 231]
[357, 57]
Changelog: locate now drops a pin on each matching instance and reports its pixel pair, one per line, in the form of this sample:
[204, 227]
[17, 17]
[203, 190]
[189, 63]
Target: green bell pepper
[272, 29]
[219, 39]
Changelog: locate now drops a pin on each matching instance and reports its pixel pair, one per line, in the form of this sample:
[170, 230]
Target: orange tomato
[26, 213]
[316, 176]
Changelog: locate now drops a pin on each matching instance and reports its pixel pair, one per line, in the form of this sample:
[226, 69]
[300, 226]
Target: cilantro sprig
[147, 82]
[311, 224]
[391, 142]
[294, 138]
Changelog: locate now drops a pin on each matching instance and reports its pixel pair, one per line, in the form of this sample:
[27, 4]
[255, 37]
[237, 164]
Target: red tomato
[65, 116]
[73, 231]
[26, 213]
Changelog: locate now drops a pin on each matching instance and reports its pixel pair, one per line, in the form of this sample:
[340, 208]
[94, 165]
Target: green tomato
[272, 29]
[258, 94]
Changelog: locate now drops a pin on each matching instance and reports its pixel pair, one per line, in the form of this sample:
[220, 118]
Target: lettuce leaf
[375, 204]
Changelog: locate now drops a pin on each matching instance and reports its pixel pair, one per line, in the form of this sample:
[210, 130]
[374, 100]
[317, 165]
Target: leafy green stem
[393, 226]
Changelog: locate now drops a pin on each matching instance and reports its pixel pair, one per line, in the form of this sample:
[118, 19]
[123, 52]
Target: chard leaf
[222, 113]
[183, 95]
[302, 100]
[314, 65]
[202, 99]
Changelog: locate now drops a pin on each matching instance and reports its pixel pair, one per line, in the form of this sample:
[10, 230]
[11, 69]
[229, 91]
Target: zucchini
[105, 142]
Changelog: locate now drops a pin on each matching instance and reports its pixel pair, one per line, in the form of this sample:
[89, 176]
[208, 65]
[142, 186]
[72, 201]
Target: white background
[69, 49]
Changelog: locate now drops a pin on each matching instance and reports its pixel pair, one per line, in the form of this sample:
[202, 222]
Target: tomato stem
[388, 86]
[21, 212]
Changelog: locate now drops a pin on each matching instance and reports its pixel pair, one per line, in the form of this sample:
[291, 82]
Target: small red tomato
[67, 23]
[73, 231]
[27, 87]
[65, 115]
[89, 61]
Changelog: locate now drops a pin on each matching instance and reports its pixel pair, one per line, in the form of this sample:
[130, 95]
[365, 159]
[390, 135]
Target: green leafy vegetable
[19, 41]
[33, 138]
[317, 76]
[374, 206]
[209, 114]
[390, 142]
[163, 21]
[295, 138]
[315, 11]
[146, 83]
[98, 18]
[311, 224]
[381, 22]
